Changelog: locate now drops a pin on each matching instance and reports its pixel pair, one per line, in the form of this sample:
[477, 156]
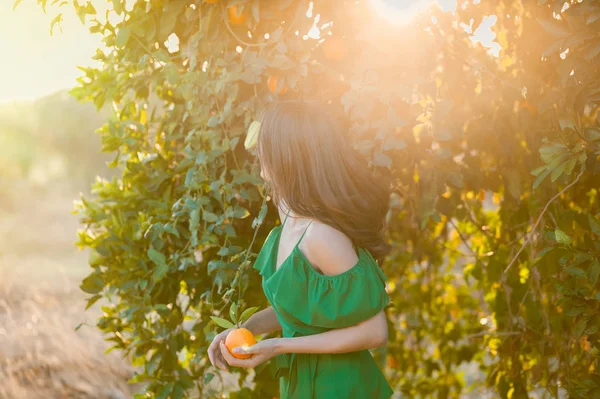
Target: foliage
[495, 220]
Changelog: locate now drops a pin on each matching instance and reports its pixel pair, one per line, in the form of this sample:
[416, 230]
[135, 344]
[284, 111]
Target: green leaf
[222, 322]
[92, 284]
[168, 20]
[210, 217]
[246, 314]
[161, 266]
[162, 55]
[575, 271]
[566, 122]
[240, 213]
[117, 6]
[214, 265]
[553, 48]
[592, 133]
[56, 21]
[160, 272]
[594, 224]
[394, 144]
[581, 257]
[157, 257]
[538, 170]
[208, 377]
[161, 307]
[540, 178]
[556, 172]
[570, 165]
[558, 160]
[213, 121]
[172, 74]
[594, 272]
[178, 390]
[593, 51]
[592, 330]
[579, 328]
[82, 11]
[165, 391]
[233, 312]
[122, 37]
[261, 215]
[553, 27]
[92, 301]
[95, 258]
[542, 253]
[382, 160]
[562, 237]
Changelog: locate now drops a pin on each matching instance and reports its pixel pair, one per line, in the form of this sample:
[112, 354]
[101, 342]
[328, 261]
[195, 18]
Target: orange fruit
[334, 48]
[391, 361]
[272, 83]
[234, 18]
[211, 1]
[239, 337]
[527, 105]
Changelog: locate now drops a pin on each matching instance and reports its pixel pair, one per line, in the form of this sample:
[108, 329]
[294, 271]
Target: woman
[327, 292]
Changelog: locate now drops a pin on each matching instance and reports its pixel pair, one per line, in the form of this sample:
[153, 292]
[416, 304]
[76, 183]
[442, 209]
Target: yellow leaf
[252, 135]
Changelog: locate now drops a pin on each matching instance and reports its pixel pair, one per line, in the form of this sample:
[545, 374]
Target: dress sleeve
[336, 301]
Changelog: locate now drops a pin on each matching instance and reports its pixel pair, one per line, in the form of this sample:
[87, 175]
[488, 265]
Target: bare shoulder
[329, 250]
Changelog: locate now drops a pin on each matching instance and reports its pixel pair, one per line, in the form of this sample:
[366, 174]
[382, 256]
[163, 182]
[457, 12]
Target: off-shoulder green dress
[307, 302]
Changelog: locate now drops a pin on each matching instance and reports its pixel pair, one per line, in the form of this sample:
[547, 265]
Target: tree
[494, 219]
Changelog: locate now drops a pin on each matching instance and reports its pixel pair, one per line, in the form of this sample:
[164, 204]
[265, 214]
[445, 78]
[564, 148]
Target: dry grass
[41, 354]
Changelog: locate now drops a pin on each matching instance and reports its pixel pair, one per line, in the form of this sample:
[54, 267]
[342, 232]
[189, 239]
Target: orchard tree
[493, 156]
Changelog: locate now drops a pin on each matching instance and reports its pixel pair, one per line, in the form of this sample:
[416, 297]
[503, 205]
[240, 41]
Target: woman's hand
[261, 352]
[261, 322]
[214, 353]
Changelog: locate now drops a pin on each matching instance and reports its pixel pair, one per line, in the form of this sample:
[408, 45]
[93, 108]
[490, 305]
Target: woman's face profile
[264, 174]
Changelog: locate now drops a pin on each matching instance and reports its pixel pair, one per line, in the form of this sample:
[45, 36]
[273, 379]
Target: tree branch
[530, 235]
[225, 18]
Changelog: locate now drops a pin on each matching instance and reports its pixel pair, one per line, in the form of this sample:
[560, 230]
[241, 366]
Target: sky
[33, 62]
[36, 64]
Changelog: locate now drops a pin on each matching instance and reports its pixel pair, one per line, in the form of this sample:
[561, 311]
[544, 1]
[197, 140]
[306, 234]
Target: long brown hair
[317, 173]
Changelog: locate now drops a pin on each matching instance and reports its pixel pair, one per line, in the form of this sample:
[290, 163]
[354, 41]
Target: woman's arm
[369, 334]
[263, 322]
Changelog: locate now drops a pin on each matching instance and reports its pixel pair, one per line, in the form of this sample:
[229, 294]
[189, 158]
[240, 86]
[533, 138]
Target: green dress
[307, 302]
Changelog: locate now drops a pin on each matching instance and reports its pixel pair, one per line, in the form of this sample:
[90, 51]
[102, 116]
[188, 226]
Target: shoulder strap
[304, 232]
[284, 220]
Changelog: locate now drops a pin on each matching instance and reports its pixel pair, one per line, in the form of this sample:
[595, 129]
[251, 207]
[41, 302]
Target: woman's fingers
[220, 360]
[211, 351]
[251, 350]
[215, 356]
[233, 361]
